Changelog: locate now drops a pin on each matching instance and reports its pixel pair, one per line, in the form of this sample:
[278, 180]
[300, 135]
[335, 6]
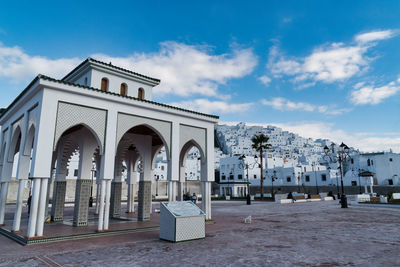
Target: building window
[123, 89]
[162, 168]
[85, 81]
[231, 177]
[240, 177]
[76, 172]
[255, 176]
[104, 84]
[223, 177]
[353, 183]
[307, 178]
[372, 162]
[323, 177]
[288, 179]
[352, 161]
[390, 182]
[369, 162]
[390, 159]
[140, 93]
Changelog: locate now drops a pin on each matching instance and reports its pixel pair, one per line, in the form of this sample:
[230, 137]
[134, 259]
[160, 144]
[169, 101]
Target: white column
[3, 200]
[172, 191]
[170, 197]
[131, 181]
[372, 185]
[34, 208]
[42, 207]
[173, 163]
[22, 172]
[18, 208]
[101, 208]
[107, 204]
[131, 195]
[209, 201]
[206, 199]
[97, 197]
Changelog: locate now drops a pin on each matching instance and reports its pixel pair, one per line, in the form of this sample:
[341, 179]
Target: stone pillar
[81, 209]
[98, 185]
[171, 191]
[131, 198]
[18, 208]
[57, 207]
[144, 198]
[180, 191]
[206, 199]
[42, 207]
[107, 205]
[100, 224]
[3, 200]
[34, 208]
[115, 205]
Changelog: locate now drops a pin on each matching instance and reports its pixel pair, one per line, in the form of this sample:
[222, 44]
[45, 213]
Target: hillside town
[293, 162]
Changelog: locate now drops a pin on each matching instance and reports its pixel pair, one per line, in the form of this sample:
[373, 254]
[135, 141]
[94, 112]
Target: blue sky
[323, 69]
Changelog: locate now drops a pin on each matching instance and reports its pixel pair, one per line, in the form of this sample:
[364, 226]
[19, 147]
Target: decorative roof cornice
[89, 59]
[47, 78]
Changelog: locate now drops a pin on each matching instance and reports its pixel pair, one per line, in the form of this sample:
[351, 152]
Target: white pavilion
[107, 114]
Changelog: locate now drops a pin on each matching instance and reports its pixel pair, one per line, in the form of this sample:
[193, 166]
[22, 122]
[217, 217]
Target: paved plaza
[300, 234]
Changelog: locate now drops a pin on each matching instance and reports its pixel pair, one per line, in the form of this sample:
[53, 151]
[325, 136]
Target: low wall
[160, 188]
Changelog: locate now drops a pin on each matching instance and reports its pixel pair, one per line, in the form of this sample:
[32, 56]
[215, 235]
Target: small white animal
[247, 219]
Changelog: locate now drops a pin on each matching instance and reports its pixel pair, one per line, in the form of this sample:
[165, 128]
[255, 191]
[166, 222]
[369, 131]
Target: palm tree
[260, 144]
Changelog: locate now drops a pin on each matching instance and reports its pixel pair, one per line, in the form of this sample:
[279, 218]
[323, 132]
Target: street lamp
[245, 165]
[93, 171]
[343, 153]
[273, 178]
[157, 179]
[298, 181]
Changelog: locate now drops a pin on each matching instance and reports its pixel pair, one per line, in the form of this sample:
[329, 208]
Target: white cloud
[265, 80]
[370, 95]
[365, 142]
[284, 104]
[374, 36]
[328, 63]
[19, 66]
[185, 70]
[207, 106]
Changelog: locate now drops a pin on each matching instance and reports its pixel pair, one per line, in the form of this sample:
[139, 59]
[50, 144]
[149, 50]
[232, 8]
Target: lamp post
[245, 165]
[343, 153]
[313, 165]
[93, 170]
[157, 178]
[298, 181]
[273, 178]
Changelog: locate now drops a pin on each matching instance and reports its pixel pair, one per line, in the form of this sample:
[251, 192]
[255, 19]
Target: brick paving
[301, 234]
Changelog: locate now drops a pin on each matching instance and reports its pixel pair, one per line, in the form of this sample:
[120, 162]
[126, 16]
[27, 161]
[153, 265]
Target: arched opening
[104, 84]
[76, 160]
[140, 93]
[190, 170]
[136, 150]
[123, 89]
